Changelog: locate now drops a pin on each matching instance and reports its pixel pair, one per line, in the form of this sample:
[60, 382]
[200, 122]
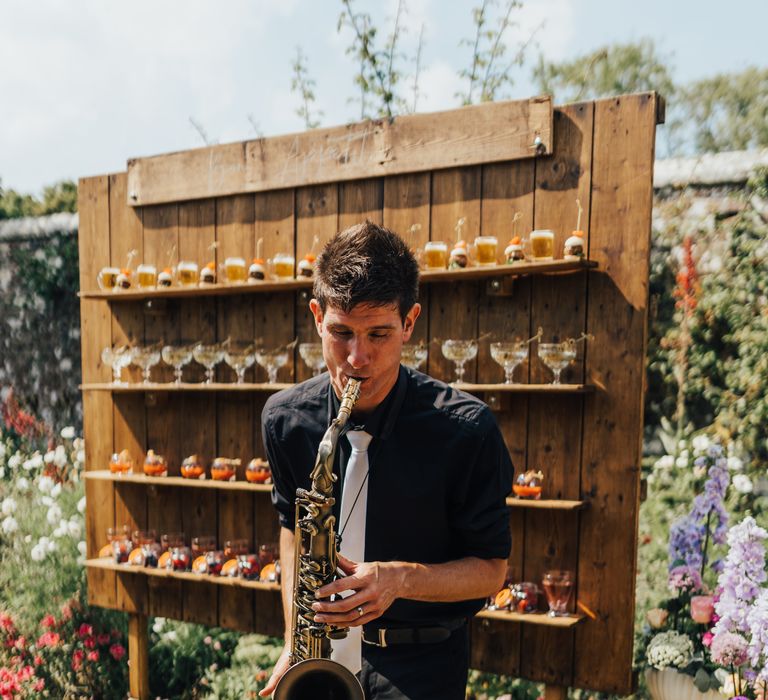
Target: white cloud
[438, 85]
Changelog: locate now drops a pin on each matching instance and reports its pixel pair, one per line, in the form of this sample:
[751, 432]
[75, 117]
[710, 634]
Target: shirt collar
[381, 422]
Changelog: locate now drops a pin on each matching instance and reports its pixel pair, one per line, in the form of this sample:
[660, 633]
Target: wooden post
[138, 656]
[555, 692]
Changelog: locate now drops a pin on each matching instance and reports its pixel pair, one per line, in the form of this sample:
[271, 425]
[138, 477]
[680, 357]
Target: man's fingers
[349, 583]
[282, 665]
[342, 605]
[346, 565]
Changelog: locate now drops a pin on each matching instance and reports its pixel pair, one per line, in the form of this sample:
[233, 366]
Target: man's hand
[375, 584]
[282, 665]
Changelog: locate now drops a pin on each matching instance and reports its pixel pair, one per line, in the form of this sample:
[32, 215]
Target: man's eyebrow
[382, 327]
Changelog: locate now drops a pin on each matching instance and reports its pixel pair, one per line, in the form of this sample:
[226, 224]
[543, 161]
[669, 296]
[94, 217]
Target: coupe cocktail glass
[509, 355]
[239, 356]
[312, 354]
[177, 356]
[557, 356]
[558, 587]
[459, 351]
[208, 356]
[272, 361]
[146, 357]
[117, 357]
[413, 356]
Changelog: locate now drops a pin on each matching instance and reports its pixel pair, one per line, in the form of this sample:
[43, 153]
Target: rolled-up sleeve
[480, 515]
[283, 486]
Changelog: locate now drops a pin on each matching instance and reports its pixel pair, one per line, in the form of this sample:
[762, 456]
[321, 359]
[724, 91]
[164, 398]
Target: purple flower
[758, 628]
[729, 649]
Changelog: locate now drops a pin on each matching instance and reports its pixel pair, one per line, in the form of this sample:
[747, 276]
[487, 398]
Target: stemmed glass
[177, 356]
[117, 357]
[272, 361]
[209, 356]
[459, 351]
[509, 355]
[557, 356]
[312, 354]
[146, 357]
[558, 587]
[413, 356]
[239, 356]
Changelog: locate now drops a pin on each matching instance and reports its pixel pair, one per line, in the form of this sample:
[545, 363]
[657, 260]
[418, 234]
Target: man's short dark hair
[366, 264]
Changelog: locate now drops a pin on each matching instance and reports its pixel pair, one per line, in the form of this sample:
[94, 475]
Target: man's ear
[410, 322]
[317, 312]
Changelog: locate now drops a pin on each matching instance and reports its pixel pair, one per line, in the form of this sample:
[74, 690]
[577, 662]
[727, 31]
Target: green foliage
[611, 70]
[485, 77]
[252, 664]
[305, 87]
[487, 686]
[728, 111]
[60, 197]
[182, 655]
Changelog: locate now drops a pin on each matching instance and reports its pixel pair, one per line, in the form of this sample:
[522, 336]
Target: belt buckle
[382, 635]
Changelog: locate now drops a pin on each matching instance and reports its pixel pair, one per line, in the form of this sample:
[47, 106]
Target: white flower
[685, 453]
[27, 538]
[22, 485]
[60, 531]
[46, 501]
[158, 625]
[56, 262]
[27, 464]
[3, 450]
[55, 491]
[9, 506]
[74, 528]
[40, 255]
[80, 457]
[48, 458]
[65, 365]
[742, 483]
[78, 443]
[45, 483]
[60, 456]
[38, 553]
[669, 649]
[2, 472]
[14, 461]
[681, 462]
[37, 460]
[82, 548]
[665, 462]
[54, 515]
[52, 546]
[735, 464]
[9, 525]
[700, 443]
[81, 505]
[68, 433]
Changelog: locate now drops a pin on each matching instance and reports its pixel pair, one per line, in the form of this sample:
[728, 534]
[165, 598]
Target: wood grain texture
[620, 219]
[491, 132]
[138, 653]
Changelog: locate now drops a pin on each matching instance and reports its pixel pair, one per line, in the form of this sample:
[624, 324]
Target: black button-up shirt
[439, 473]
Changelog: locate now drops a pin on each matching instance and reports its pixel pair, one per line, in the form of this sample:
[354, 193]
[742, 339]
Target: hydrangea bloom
[669, 649]
[684, 578]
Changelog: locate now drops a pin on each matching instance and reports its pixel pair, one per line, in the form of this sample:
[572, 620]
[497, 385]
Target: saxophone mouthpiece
[349, 397]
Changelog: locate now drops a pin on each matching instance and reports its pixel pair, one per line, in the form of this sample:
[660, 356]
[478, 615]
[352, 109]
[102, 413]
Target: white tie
[354, 500]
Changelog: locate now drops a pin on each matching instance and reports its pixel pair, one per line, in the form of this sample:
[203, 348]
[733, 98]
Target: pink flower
[48, 621]
[89, 643]
[39, 685]
[93, 655]
[706, 639]
[85, 631]
[702, 608]
[117, 651]
[38, 660]
[6, 622]
[77, 659]
[102, 639]
[729, 649]
[48, 639]
[66, 611]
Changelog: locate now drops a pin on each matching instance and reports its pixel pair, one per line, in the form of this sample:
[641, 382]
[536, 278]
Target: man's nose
[359, 353]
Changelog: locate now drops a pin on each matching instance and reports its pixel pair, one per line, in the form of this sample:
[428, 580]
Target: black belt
[426, 634]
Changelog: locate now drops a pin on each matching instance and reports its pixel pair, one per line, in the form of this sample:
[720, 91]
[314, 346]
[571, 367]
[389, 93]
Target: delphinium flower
[669, 649]
[758, 642]
[741, 578]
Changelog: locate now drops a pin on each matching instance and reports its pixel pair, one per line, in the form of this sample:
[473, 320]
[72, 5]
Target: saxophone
[312, 674]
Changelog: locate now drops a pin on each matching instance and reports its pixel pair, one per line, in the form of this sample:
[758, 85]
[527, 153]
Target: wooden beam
[487, 133]
[138, 655]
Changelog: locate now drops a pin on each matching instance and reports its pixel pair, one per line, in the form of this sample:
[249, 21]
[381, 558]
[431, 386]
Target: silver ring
[360, 611]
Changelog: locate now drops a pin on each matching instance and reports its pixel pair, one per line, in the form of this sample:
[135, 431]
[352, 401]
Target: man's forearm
[287, 562]
[462, 579]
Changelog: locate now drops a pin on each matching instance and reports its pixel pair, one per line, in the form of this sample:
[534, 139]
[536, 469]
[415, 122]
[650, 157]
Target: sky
[86, 85]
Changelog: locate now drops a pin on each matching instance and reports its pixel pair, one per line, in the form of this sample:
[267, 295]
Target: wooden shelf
[139, 388]
[426, 277]
[539, 618]
[545, 504]
[235, 582]
[105, 475]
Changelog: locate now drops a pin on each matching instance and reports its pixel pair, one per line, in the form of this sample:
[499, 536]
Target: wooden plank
[487, 133]
[188, 387]
[541, 619]
[154, 482]
[546, 504]
[621, 202]
[317, 214]
[138, 653]
[554, 429]
[129, 431]
[96, 334]
[453, 314]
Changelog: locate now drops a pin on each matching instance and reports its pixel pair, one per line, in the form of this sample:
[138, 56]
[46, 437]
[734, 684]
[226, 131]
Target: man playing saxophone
[422, 475]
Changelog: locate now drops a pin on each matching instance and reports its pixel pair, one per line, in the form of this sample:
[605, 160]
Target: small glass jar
[107, 278]
[529, 485]
[181, 558]
[235, 271]
[223, 469]
[258, 472]
[121, 463]
[542, 244]
[155, 465]
[193, 468]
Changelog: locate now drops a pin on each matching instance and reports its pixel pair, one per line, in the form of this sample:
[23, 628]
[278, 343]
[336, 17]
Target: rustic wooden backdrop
[588, 445]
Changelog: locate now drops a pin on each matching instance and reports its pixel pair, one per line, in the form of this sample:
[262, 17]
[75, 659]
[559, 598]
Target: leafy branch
[305, 86]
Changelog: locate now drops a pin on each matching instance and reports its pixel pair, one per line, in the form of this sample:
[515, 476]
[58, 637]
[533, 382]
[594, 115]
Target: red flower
[38, 661]
[66, 611]
[93, 655]
[117, 651]
[77, 659]
[48, 639]
[89, 642]
[85, 630]
[102, 639]
[39, 685]
[6, 622]
[48, 621]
